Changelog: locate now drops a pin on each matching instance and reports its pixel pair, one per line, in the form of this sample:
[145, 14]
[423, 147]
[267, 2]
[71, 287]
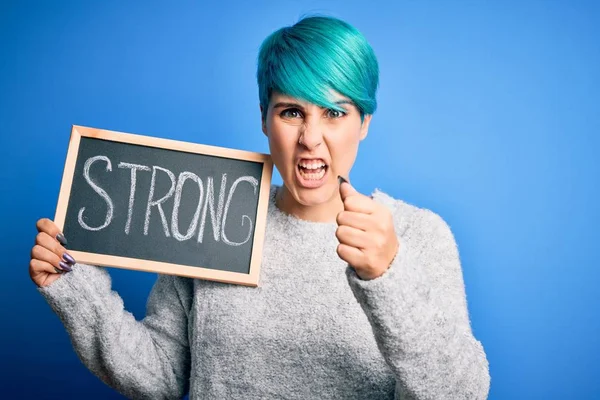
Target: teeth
[316, 165]
[313, 175]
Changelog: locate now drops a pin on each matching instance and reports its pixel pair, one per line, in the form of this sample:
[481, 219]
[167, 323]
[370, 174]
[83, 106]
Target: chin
[312, 196]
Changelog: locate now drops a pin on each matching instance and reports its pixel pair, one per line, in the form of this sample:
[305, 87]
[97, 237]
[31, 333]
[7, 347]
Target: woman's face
[311, 146]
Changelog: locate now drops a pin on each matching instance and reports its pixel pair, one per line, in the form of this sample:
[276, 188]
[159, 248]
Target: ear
[364, 129]
[263, 121]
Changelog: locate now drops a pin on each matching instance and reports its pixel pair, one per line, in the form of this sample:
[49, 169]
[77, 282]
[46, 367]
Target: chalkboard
[159, 205]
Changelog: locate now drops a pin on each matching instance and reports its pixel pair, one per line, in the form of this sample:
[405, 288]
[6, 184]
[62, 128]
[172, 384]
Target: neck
[323, 212]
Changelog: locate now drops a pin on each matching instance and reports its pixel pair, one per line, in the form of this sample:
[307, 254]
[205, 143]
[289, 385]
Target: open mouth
[312, 173]
[312, 170]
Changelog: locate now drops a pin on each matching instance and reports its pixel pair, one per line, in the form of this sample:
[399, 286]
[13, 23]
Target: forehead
[278, 97]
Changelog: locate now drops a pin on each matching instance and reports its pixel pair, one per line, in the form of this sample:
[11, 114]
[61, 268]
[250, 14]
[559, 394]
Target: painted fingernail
[68, 258]
[64, 266]
[341, 179]
[62, 239]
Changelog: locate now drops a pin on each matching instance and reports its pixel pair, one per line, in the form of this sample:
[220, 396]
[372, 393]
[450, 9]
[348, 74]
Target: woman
[361, 297]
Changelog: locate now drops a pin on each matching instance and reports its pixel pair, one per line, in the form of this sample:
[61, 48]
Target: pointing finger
[346, 189]
[354, 200]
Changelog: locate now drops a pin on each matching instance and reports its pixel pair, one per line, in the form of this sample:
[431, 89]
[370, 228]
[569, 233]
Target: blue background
[489, 115]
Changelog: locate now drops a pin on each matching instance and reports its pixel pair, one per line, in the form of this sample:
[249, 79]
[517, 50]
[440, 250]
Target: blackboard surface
[160, 205]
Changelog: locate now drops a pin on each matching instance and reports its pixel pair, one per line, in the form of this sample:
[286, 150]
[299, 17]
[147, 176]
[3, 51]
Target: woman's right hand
[49, 258]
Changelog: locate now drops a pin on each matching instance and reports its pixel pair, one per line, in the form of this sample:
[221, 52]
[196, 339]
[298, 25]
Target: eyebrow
[284, 104]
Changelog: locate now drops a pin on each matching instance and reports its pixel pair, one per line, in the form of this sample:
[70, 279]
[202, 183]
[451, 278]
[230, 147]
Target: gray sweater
[311, 330]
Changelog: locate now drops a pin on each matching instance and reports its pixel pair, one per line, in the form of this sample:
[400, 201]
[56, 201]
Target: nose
[311, 135]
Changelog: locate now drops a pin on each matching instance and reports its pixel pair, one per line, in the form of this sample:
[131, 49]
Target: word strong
[165, 206]
[206, 202]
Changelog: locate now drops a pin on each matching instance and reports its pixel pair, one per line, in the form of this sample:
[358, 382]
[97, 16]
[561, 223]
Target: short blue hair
[312, 57]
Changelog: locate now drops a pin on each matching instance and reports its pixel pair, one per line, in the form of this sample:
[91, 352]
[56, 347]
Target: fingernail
[62, 239]
[65, 266]
[341, 179]
[68, 258]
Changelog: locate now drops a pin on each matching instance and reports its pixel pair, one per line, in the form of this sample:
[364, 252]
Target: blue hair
[314, 56]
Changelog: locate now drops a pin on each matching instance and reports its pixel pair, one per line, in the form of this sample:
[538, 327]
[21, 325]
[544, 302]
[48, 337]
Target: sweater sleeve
[140, 359]
[418, 313]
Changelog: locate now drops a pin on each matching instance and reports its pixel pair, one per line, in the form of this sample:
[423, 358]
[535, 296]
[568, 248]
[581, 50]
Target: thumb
[346, 189]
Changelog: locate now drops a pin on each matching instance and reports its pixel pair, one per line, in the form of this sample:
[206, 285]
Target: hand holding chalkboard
[48, 256]
[159, 205]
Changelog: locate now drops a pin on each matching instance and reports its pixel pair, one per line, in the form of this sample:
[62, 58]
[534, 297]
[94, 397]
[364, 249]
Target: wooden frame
[250, 279]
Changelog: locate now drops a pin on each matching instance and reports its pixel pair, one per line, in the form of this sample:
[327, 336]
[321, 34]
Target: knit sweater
[312, 329]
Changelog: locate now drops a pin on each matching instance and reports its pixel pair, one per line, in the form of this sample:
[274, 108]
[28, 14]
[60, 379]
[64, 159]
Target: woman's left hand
[368, 241]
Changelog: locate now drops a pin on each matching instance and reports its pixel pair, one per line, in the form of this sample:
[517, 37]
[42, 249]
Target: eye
[291, 113]
[331, 113]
